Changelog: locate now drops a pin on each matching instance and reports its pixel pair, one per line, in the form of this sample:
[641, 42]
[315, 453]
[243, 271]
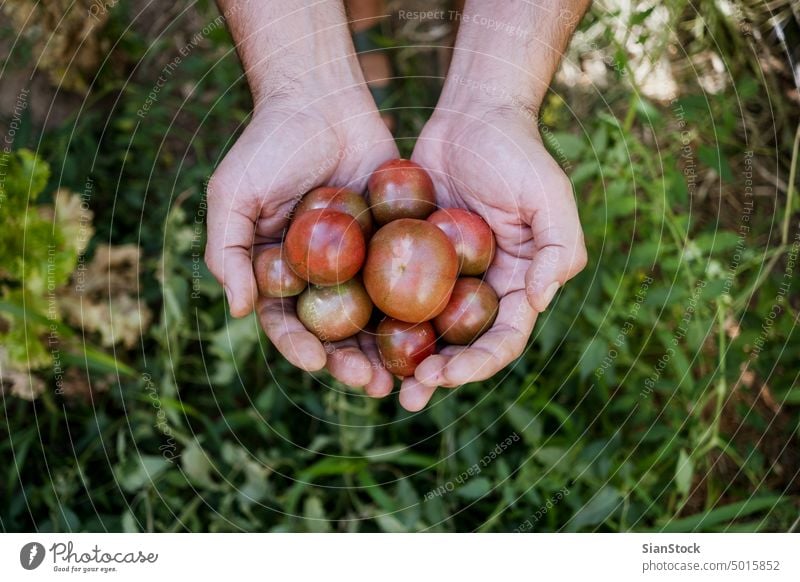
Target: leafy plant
[39, 249]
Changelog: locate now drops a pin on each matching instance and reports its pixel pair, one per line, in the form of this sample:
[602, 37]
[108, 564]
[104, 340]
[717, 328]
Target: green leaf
[716, 158]
[384, 454]
[570, 145]
[684, 472]
[790, 396]
[314, 513]
[371, 487]
[597, 510]
[725, 514]
[475, 488]
[196, 465]
[639, 17]
[390, 524]
[129, 524]
[26, 178]
[717, 241]
[583, 172]
[592, 357]
[526, 423]
[139, 472]
[232, 345]
[98, 362]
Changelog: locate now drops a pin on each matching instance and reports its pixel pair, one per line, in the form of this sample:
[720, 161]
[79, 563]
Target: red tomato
[341, 200]
[470, 235]
[324, 247]
[403, 346]
[274, 276]
[471, 311]
[400, 189]
[335, 313]
[410, 270]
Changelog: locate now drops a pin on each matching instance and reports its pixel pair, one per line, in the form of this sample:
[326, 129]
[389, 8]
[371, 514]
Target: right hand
[293, 144]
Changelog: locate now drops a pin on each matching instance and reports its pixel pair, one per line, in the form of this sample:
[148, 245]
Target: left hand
[493, 162]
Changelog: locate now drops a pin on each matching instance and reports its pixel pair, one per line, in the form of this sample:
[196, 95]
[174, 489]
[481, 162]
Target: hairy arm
[513, 47]
[314, 123]
[483, 147]
[284, 45]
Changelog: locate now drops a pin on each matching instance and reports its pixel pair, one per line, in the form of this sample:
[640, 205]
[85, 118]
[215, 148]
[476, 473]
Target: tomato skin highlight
[471, 311]
[410, 270]
[403, 346]
[471, 236]
[325, 247]
[400, 189]
[340, 200]
[274, 276]
[336, 312]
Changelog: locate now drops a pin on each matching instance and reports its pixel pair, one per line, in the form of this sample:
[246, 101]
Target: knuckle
[581, 257]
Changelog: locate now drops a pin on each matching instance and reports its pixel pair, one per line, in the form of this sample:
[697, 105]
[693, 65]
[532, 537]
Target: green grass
[659, 393]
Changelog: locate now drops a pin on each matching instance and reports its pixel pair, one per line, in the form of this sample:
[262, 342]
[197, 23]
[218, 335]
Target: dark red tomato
[470, 235]
[400, 189]
[274, 276]
[471, 311]
[335, 313]
[324, 247]
[341, 200]
[403, 346]
[410, 270]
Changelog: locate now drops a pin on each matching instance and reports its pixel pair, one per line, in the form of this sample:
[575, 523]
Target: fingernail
[229, 295]
[549, 293]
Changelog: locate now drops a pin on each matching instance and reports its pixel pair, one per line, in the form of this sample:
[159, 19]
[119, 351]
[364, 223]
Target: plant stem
[787, 213]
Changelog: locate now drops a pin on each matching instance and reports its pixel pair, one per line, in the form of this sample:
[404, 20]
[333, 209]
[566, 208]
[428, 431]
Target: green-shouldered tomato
[403, 345]
[470, 235]
[341, 200]
[325, 247]
[274, 276]
[336, 312]
[410, 270]
[400, 189]
[471, 311]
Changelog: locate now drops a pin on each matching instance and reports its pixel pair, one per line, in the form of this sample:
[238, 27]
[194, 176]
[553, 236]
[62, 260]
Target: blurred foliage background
[660, 391]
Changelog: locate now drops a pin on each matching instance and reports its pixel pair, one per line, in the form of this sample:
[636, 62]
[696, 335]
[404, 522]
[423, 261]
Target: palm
[499, 168]
[280, 156]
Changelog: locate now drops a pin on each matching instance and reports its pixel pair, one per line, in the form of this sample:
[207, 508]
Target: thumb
[231, 227]
[559, 249]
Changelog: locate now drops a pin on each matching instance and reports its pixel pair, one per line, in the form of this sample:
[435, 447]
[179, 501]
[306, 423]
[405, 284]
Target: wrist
[295, 83]
[507, 53]
[292, 51]
[476, 92]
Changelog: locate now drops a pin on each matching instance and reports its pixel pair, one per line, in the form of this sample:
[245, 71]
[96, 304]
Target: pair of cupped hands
[482, 156]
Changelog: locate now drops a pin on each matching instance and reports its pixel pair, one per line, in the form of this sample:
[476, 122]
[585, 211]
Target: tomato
[400, 189]
[471, 311]
[341, 200]
[410, 270]
[324, 247]
[335, 313]
[403, 346]
[274, 276]
[470, 235]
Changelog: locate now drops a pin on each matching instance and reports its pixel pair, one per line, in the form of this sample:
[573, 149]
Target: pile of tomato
[393, 265]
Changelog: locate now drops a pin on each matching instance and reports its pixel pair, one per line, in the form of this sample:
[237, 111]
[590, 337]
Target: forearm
[292, 46]
[509, 51]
